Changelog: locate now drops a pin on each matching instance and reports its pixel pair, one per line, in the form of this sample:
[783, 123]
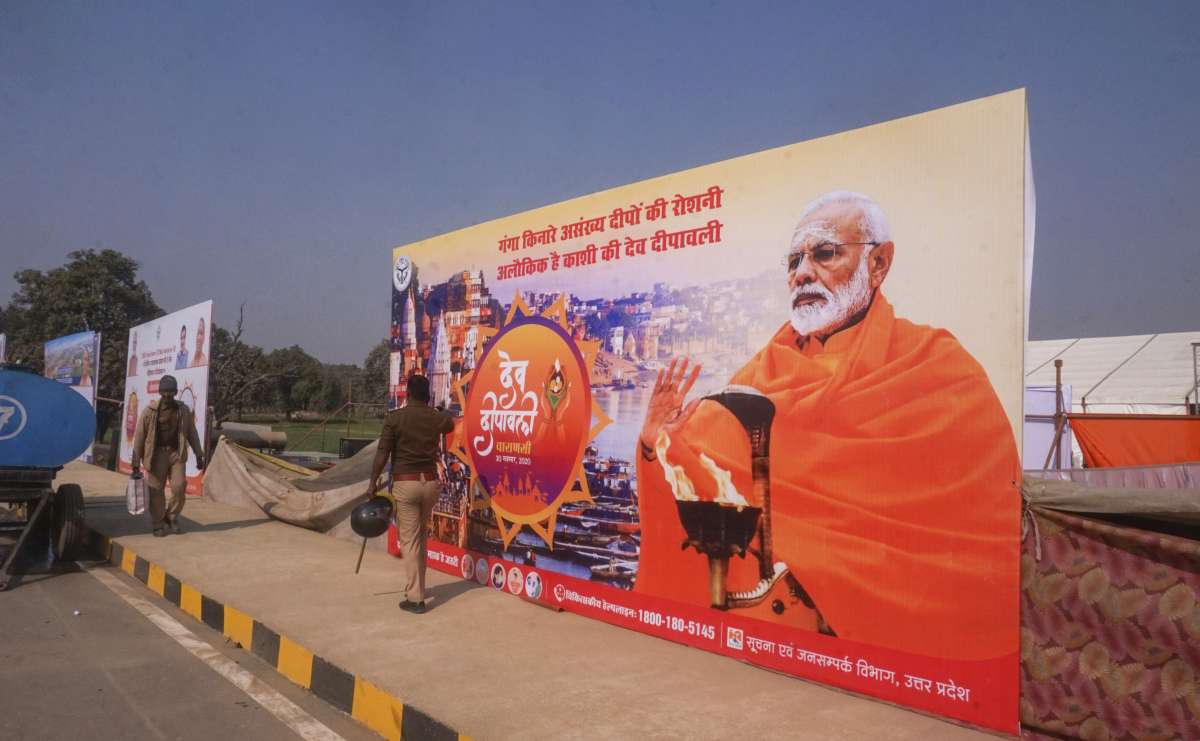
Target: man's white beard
[830, 315]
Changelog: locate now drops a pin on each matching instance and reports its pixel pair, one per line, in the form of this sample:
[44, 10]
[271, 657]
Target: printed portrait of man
[181, 360]
[199, 358]
[892, 465]
[131, 416]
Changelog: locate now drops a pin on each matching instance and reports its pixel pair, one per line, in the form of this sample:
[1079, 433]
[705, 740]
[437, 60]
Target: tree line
[100, 291]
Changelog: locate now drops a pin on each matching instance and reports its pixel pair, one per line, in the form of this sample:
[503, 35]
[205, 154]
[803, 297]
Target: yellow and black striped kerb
[381, 712]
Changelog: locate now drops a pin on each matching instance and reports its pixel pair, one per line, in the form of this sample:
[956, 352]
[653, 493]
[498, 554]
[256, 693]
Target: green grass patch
[319, 438]
[306, 435]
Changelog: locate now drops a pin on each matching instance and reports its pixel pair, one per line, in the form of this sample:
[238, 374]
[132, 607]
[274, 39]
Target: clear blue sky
[275, 152]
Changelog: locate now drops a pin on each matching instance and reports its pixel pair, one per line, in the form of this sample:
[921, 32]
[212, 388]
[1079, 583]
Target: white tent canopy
[1137, 374]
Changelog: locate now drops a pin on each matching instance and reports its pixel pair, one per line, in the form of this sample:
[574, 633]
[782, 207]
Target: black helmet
[370, 519]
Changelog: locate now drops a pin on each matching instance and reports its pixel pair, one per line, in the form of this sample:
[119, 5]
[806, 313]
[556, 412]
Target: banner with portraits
[769, 407]
[177, 344]
[75, 361]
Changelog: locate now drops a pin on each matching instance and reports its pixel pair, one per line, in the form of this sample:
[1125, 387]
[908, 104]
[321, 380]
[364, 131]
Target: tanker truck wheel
[66, 524]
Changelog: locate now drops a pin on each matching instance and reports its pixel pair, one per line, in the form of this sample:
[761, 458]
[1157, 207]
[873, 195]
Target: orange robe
[894, 490]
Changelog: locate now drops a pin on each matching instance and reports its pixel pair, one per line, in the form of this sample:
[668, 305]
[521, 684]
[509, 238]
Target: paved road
[111, 673]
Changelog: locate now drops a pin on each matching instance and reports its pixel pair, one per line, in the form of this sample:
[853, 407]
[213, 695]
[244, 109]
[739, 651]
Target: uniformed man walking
[164, 431]
[410, 438]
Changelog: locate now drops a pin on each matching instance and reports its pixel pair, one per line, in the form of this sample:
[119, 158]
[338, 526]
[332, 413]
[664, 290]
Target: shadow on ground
[115, 527]
[440, 594]
[36, 562]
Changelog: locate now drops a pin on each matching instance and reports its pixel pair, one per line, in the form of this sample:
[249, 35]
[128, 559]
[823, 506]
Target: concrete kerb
[378, 710]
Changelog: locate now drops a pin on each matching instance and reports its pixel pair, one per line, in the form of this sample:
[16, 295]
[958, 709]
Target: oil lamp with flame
[723, 527]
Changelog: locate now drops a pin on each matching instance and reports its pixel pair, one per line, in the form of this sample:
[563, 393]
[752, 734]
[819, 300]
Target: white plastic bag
[135, 494]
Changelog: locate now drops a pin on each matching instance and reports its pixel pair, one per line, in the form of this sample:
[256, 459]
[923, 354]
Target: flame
[681, 485]
[727, 493]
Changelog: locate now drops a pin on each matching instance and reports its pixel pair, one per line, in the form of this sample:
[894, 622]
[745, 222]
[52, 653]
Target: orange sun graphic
[528, 417]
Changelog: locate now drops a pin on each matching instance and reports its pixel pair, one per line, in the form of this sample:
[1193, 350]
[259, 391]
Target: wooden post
[210, 419]
[114, 450]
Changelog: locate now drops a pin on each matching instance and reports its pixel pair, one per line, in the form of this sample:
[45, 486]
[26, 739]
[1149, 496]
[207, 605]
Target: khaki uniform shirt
[145, 440]
[412, 433]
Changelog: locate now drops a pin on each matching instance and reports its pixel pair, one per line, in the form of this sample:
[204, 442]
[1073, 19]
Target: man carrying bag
[164, 432]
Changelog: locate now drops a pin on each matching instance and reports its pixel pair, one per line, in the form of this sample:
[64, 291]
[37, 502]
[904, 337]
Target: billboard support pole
[1060, 420]
[114, 450]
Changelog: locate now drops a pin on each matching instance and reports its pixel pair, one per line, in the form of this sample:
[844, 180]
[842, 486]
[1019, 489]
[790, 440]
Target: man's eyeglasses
[825, 254]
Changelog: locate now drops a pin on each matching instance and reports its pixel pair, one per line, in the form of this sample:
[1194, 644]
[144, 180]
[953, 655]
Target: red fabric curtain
[1109, 440]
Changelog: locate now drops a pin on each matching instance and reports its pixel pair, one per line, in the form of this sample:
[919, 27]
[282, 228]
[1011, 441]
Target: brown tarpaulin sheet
[1136, 440]
[245, 478]
[1110, 612]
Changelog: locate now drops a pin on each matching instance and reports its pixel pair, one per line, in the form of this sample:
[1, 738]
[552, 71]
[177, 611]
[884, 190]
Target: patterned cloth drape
[1110, 636]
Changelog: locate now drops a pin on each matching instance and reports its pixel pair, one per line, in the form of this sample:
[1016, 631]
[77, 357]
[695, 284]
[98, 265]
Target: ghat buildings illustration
[435, 328]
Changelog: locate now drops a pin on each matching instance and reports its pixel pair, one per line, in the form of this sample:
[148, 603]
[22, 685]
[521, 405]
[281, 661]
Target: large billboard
[177, 344]
[75, 360]
[768, 407]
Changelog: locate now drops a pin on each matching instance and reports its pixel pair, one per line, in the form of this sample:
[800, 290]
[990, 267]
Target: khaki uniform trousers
[166, 467]
[414, 505]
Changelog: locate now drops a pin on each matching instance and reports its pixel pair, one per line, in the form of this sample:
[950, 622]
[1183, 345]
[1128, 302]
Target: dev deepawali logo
[529, 415]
